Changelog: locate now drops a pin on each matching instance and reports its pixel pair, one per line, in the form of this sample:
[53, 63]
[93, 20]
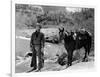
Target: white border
[13, 39]
[52, 3]
[41, 2]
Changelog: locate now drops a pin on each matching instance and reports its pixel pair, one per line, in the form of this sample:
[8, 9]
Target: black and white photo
[53, 38]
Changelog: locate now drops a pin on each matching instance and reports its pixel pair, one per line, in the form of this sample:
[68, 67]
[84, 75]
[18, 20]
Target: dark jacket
[37, 38]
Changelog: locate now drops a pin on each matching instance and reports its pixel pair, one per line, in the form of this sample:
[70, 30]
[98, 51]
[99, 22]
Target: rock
[62, 59]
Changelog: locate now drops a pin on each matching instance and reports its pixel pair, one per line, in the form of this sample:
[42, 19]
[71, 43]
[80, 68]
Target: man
[37, 45]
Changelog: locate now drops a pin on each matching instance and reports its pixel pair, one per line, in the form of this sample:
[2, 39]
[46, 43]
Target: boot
[31, 70]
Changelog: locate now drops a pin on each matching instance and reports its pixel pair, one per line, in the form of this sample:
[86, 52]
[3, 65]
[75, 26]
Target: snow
[81, 66]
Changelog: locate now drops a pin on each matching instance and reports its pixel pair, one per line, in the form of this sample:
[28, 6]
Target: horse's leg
[70, 55]
[86, 54]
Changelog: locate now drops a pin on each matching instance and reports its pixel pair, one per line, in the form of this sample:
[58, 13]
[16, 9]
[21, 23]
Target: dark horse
[74, 41]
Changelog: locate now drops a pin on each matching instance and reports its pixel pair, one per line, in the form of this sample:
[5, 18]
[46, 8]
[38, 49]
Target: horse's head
[62, 34]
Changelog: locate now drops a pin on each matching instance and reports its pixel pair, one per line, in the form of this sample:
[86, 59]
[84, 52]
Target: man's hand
[31, 47]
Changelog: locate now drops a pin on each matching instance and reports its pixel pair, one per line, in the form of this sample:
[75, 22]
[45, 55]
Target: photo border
[37, 2]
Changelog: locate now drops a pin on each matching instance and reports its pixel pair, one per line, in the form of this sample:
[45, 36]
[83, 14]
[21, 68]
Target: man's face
[38, 28]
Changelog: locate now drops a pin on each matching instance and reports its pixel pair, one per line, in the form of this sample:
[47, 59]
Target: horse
[74, 41]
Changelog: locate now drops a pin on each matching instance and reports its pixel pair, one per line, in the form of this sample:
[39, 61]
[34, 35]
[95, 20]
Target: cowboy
[37, 45]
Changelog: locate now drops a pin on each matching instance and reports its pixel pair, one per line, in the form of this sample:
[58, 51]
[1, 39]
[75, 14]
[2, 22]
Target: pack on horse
[74, 41]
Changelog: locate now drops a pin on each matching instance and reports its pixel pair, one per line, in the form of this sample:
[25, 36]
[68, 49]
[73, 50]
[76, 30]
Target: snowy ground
[51, 65]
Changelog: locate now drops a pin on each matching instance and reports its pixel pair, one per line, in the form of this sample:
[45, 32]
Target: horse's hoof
[85, 60]
[69, 65]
